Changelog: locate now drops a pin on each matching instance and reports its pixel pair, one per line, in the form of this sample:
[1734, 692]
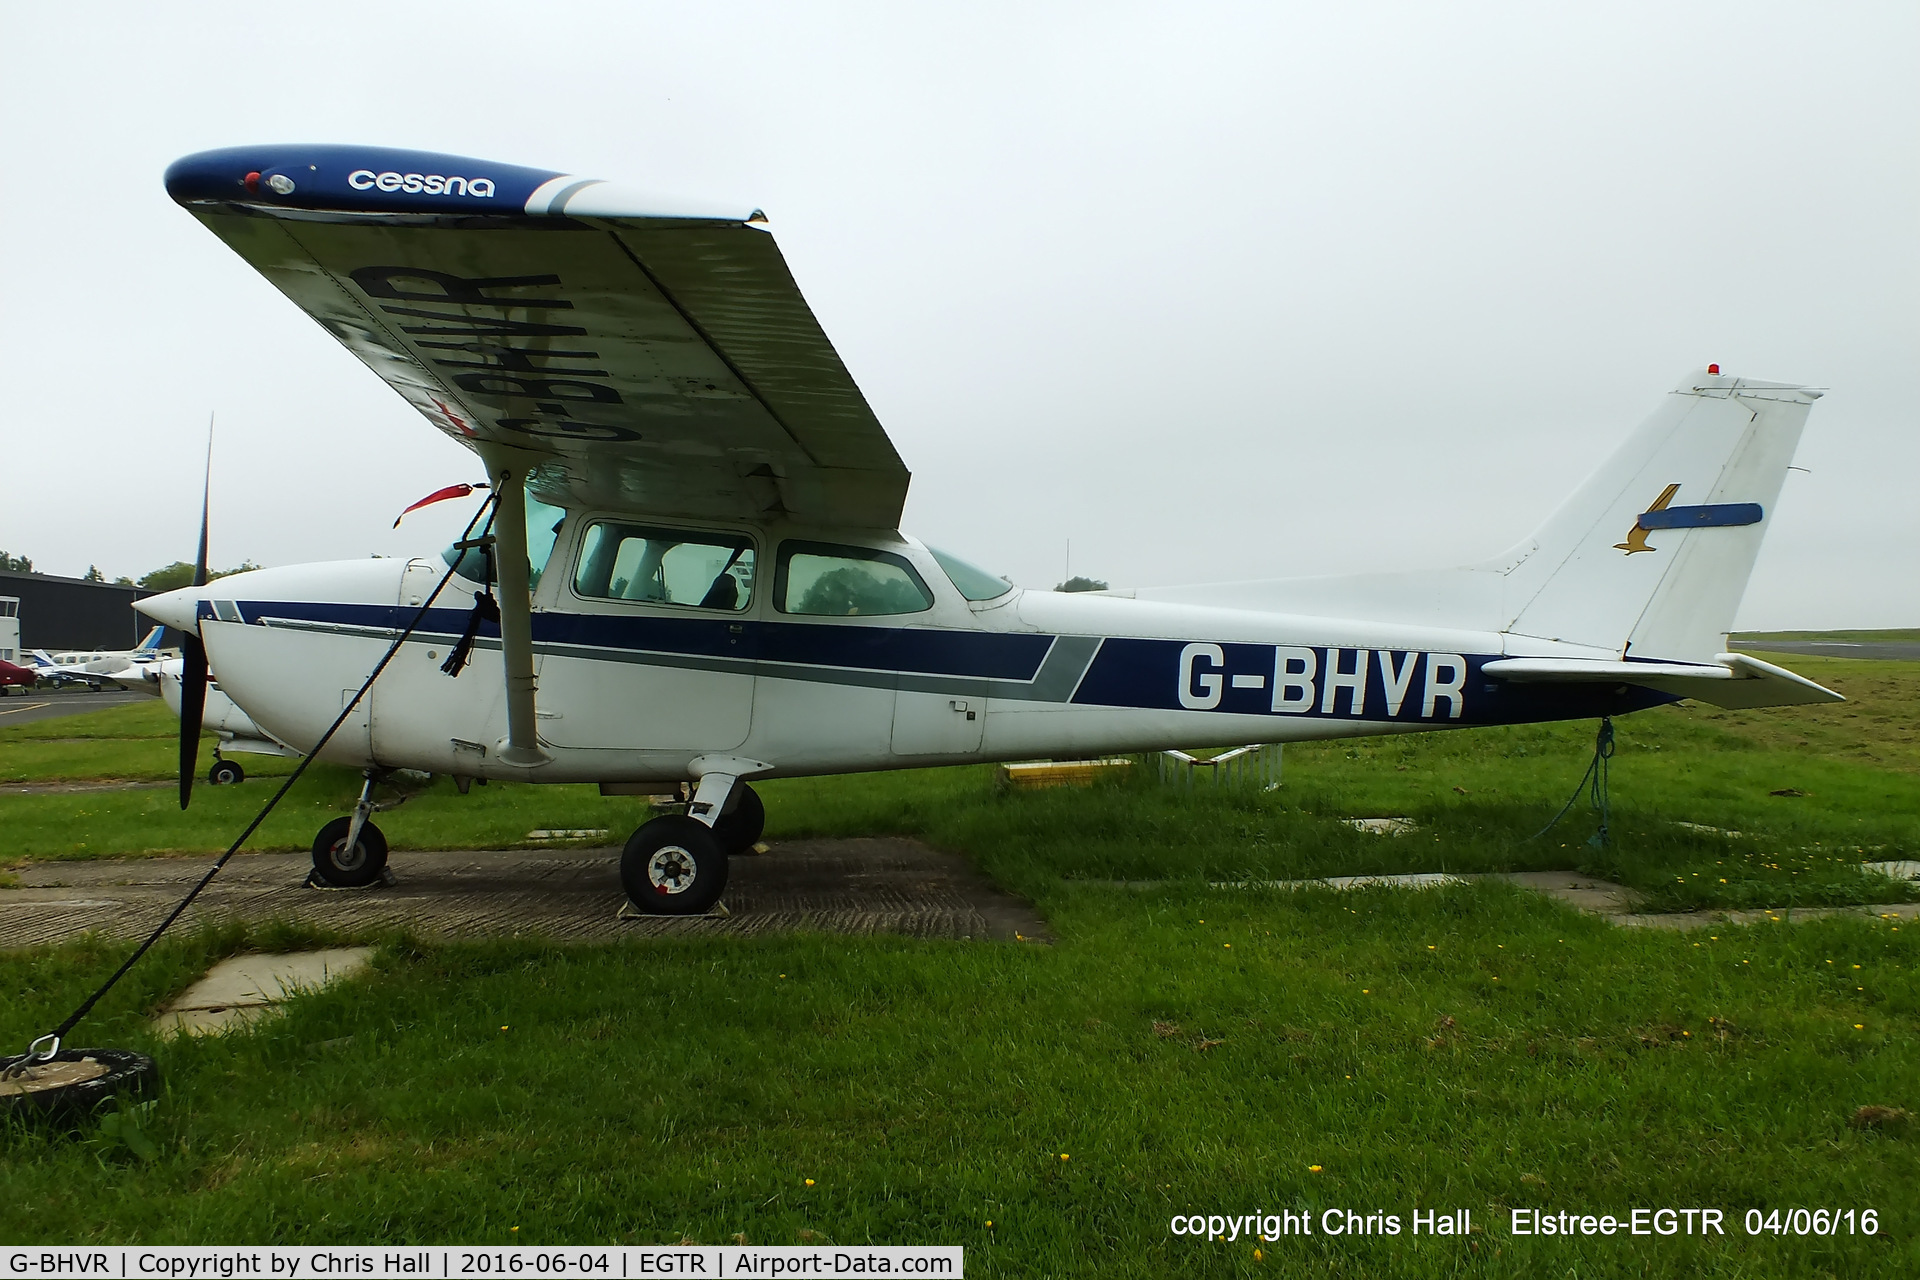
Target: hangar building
[72, 613]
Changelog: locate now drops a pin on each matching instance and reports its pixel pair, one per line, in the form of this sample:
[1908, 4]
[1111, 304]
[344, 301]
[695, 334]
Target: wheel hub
[349, 859]
[671, 869]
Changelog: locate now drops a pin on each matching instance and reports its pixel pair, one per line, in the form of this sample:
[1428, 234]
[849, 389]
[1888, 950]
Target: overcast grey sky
[1213, 290]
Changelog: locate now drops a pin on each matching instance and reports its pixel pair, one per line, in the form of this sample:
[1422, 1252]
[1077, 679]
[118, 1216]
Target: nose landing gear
[350, 852]
[226, 772]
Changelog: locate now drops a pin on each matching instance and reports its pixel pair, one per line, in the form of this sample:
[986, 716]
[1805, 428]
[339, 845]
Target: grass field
[1845, 637]
[1187, 1049]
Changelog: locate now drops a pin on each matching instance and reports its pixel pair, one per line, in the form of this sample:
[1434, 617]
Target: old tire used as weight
[126, 1072]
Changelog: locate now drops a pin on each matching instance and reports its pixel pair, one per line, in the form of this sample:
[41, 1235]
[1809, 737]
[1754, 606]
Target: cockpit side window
[828, 580]
[652, 565]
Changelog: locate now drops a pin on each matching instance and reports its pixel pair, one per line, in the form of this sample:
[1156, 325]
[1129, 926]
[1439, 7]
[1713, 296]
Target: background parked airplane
[97, 666]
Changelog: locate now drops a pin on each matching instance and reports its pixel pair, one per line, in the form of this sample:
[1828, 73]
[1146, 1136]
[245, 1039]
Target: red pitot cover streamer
[438, 495]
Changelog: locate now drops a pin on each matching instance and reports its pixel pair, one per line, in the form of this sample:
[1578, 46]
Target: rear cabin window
[825, 580]
[651, 565]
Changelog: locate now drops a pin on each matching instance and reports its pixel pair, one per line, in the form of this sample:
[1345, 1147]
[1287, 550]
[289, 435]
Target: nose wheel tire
[225, 773]
[347, 868]
[740, 826]
[674, 866]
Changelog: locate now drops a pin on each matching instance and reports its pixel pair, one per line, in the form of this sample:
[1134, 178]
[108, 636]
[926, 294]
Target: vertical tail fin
[151, 642]
[1649, 558]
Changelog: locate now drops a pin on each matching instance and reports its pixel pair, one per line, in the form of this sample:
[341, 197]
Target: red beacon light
[1713, 369]
[253, 183]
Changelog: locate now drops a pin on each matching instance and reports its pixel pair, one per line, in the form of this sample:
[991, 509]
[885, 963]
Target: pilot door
[648, 645]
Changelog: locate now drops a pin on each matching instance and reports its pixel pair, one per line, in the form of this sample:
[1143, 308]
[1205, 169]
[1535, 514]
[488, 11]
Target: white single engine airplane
[102, 668]
[697, 564]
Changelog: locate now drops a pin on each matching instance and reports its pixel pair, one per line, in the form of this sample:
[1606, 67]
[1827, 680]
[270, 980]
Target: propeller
[193, 654]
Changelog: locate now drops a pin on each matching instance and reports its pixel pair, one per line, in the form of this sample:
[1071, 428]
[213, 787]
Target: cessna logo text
[431, 184]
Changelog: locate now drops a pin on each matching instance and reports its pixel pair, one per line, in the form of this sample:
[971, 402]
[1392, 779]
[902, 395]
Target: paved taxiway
[39, 705]
[1894, 650]
[867, 886]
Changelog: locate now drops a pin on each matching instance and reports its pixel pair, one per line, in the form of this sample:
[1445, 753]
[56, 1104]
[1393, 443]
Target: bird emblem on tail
[1637, 535]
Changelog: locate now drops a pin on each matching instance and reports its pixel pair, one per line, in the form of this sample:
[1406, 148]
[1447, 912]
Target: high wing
[658, 358]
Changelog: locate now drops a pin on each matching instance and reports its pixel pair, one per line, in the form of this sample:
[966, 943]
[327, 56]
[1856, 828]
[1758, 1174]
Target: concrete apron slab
[866, 886]
[1584, 893]
[1614, 902]
[243, 989]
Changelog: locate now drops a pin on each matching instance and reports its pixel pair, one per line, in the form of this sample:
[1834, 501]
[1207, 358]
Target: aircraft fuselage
[640, 691]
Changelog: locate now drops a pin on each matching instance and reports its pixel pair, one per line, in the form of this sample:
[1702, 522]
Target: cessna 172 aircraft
[698, 571]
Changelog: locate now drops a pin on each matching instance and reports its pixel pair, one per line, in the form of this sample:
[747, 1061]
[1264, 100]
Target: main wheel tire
[127, 1072]
[334, 863]
[740, 826]
[227, 772]
[674, 866]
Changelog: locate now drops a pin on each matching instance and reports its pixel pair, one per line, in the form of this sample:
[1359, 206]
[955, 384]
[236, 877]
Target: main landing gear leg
[351, 852]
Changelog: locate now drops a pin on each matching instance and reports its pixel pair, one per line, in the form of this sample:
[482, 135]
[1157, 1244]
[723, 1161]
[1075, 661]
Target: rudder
[1649, 558]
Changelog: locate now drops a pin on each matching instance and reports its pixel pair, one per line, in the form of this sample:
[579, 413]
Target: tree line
[165, 578]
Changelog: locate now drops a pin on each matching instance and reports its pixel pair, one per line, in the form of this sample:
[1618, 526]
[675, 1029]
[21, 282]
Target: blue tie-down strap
[1713, 515]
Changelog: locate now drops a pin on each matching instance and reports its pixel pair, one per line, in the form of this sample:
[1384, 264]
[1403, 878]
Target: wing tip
[386, 181]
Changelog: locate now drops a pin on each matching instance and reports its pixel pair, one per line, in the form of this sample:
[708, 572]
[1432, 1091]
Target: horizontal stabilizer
[1732, 680]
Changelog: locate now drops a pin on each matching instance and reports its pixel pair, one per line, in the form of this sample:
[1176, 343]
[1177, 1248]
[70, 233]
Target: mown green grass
[1191, 1049]
[134, 743]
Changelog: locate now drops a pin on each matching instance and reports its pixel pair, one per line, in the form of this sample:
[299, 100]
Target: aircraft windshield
[543, 526]
[971, 580]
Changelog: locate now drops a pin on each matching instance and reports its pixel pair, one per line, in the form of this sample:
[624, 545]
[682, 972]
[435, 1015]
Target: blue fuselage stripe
[1279, 681]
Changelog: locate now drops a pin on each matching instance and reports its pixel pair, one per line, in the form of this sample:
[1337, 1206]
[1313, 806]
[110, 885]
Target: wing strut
[508, 470]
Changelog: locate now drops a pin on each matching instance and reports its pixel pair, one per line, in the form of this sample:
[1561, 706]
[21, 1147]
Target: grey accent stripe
[1059, 676]
[1065, 666]
[1057, 679]
[649, 658]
